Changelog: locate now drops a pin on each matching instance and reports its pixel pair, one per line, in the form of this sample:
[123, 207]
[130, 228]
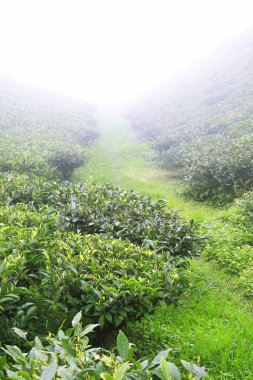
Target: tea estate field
[100, 248]
[213, 325]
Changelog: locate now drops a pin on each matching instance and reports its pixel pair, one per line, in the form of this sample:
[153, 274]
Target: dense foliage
[108, 254]
[220, 168]
[202, 123]
[68, 355]
[231, 243]
[60, 254]
[91, 207]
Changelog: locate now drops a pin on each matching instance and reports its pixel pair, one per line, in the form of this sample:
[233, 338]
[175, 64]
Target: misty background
[112, 52]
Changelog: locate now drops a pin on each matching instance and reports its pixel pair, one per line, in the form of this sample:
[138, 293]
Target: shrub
[20, 158]
[22, 245]
[111, 280]
[68, 355]
[66, 158]
[29, 124]
[91, 208]
[26, 189]
[220, 168]
[114, 254]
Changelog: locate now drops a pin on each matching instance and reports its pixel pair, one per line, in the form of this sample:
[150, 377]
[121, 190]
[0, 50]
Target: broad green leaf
[65, 373]
[19, 332]
[88, 329]
[122, 345]
[31, 311]
[77, 318]
[99, 369]
[144, 364]
[15, 353]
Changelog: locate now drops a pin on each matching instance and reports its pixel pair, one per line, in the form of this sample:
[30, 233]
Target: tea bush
[49, 160]
[27, 189]
[68, 355]
[114, 254]
[209, 113]
[47, 274]
[110, 280]
[97, 208]
[91, 208]
[19, 158]
[66, 158]
[220, 168]
[245, 281]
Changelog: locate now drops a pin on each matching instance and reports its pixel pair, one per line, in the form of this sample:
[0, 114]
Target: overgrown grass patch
[214, 327]
[231, 244]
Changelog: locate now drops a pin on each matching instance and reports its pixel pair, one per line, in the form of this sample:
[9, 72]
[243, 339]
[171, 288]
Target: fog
[111, 52]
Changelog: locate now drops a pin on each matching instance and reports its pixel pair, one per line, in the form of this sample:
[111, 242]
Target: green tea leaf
[77, 318]
[123, 345]
[19, 332]
[88, 329]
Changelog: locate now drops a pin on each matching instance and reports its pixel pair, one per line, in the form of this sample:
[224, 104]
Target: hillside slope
[42, 130]
[210, 97]
[23, 107]
[210, 105]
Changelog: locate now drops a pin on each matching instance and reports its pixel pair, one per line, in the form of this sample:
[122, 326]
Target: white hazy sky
[111, 51]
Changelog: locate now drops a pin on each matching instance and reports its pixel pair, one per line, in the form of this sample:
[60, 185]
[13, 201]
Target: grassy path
[121, 160]
[216, 325]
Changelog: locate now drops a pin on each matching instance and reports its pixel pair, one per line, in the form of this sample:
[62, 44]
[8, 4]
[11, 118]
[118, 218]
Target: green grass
[122, 161]
[216, 325]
